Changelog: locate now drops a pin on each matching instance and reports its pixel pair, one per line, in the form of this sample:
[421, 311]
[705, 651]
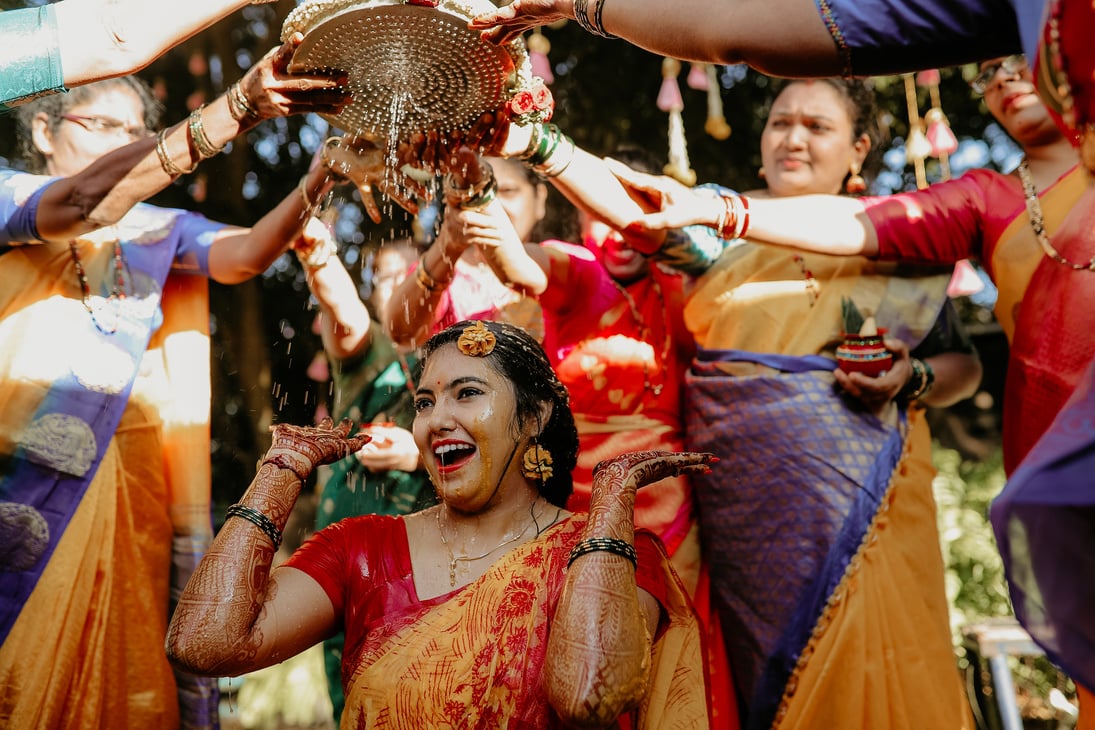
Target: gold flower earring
[536, 463]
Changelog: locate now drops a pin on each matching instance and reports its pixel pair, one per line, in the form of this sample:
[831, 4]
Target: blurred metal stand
[992, 643]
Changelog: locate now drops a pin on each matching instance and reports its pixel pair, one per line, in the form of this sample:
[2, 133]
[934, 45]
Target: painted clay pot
[864, 354]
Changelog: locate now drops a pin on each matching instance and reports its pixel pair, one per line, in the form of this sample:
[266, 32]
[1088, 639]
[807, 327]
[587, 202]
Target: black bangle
[604, 544]
[257, 519]
[921, 381]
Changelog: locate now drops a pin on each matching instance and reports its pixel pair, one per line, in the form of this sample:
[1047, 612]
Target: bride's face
[465, 428]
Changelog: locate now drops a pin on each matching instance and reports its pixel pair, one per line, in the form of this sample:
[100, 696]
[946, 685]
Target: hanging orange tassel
[538, 48]
[716, 125]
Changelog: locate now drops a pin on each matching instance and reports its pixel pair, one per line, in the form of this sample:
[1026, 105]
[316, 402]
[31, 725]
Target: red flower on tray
[531, 105]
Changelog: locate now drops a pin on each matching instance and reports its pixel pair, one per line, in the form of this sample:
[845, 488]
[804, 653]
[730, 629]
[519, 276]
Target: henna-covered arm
[599, 650]
[236, 616]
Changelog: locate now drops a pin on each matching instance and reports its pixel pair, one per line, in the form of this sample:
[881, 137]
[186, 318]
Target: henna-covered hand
[306, 447]
[615, 480]
[599, 650]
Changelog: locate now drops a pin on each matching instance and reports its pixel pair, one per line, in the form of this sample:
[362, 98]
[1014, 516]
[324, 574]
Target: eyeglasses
[108, 126]
[1011, 65]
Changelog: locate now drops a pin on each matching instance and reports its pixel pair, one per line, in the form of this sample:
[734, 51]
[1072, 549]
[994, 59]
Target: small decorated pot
[864, 353]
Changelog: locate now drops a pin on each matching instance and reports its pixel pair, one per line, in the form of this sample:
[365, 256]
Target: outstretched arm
[598, 655]
[104, 192]
[345, 325]
[235, 615]
[100, 39]
[777, 37]
[831, 224]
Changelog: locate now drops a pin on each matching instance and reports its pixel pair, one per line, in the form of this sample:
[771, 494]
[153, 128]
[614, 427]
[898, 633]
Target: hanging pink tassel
[538, 48]
[669, 96]
[939, 133]
[697, 77]
[928, 77]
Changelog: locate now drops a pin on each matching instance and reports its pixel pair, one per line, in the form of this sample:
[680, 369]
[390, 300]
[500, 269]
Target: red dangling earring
[856, 184]
[760, 172]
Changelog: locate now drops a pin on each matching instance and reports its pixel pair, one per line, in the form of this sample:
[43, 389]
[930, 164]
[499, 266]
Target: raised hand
[505, 24]
[364, 163]
[615, 481]
[391, 447]
[272, 90]
[302, 448]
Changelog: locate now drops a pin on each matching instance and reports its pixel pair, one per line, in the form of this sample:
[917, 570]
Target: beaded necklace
[645, 332]
[813, 289]
[117, 292]
[1038, 223]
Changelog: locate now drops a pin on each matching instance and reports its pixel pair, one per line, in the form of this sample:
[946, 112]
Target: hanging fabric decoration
[917, 147]
[716, 125]
[538, 48]
[669, 95]
[939, 133]
[697, 77]
[669, 100]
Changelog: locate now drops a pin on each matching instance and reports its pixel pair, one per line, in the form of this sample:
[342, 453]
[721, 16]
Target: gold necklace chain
[1038, 222]
[454, 559]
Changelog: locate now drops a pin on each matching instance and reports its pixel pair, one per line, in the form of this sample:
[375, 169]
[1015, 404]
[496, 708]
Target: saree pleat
[129, 515]
[107, 667]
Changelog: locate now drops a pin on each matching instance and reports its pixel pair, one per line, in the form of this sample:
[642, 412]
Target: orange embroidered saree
[473, 658]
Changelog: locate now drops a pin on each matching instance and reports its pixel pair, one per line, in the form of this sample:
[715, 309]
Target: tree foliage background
[606, 93]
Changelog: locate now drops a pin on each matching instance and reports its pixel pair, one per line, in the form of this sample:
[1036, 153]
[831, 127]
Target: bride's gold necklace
[454, 559]
[1038, 223]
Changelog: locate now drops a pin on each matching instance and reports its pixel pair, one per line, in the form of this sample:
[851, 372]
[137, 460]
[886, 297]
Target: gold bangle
[166, 162]
[475, 196]
[238, 105]
[202, 145]
[309, 206]
[426, 282]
